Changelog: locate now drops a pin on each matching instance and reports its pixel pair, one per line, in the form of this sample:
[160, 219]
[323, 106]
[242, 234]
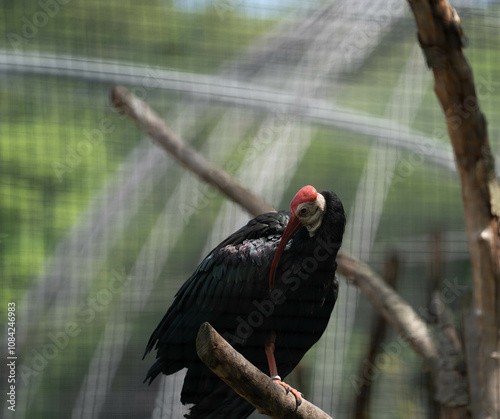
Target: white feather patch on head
[315, 220]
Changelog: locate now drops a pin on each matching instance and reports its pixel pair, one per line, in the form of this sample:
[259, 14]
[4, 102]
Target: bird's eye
[303, 211]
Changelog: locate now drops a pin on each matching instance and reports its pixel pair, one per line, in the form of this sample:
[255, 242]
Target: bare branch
[441, 37]
[150, 122]
[248, 381]
[378, 333]
[395, 310]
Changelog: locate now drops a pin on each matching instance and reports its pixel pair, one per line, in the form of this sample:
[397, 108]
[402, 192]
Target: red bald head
[306, 194]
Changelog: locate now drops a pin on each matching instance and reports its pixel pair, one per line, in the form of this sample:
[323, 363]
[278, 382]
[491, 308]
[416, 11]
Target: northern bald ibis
[269, 289]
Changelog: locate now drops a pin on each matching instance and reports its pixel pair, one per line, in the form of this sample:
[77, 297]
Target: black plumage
[231, 290]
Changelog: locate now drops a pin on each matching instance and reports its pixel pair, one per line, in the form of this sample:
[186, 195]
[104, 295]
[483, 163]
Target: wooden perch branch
[248, 381]
[441, 36]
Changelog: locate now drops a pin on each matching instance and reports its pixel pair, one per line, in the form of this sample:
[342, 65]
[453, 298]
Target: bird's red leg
[273, 369]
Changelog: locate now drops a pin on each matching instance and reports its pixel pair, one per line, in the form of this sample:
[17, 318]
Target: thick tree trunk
[441, 37]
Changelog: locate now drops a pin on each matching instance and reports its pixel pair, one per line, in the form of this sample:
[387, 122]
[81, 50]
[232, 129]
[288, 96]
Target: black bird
[269, 289]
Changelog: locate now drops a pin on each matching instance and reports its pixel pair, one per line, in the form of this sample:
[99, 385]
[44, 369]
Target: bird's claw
[298, 396]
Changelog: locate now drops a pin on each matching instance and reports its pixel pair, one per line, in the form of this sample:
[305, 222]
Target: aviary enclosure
[100, 225]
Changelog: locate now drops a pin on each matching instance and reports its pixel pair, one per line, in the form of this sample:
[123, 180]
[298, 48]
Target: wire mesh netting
[100, 227]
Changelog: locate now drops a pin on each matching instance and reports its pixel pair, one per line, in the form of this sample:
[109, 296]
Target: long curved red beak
[291, 228]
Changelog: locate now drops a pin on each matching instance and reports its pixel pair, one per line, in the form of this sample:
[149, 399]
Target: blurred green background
[99, 227]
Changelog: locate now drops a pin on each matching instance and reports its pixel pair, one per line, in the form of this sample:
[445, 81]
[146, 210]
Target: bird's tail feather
[223, 403]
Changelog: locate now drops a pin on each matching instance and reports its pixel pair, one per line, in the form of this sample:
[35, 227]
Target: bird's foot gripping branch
[268, 397]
